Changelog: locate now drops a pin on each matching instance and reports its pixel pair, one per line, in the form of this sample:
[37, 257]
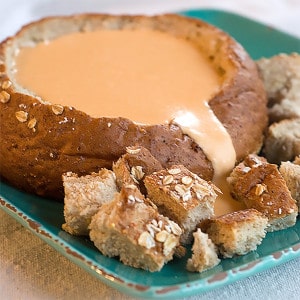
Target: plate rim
[130, 287]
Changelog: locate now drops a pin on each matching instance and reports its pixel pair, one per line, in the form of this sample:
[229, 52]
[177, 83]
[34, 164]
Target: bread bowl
[40, 140]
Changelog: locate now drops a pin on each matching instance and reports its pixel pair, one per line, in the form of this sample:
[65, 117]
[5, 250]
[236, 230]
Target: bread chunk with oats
[282, 142]
[182, 196]
[134, 165]
[83, 197]
[281, 77]
[204, 255]
[291, 174]
[236, 233]
[131, 228]
[260, 185]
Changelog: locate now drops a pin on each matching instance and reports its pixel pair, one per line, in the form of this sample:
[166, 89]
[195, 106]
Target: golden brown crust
[134, 165]
[182, 196]
[259, 185]
[39, 142]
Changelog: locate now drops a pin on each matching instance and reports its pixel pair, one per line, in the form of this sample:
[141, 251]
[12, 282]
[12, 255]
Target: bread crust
[38, 143]
[182, 196]
[260, 185]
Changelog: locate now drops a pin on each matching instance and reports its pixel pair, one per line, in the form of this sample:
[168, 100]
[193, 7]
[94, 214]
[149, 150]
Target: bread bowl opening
[144, 75]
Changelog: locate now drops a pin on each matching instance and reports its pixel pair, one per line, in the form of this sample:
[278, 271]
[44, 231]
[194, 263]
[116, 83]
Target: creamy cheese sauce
[147, 76]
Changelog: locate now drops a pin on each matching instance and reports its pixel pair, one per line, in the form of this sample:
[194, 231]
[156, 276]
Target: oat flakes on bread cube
[204, 253]
[260, 185]
[291, 174]
[281, 78]
[297, 160]
[83, 197]
[282, 141]
[134, 165]
[131, 228]
[182, 196]
[236, 233]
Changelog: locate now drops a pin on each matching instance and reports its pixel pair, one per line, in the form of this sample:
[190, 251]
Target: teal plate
[44, 217]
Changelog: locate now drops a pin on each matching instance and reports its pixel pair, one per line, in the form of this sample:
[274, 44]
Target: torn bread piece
[282, 142]
[291, 174]
[182, 196]
[134, 165]
[260, 185]
[131, 228]
[204, 255]
[236, 233]
[83, 197]
[281, 77]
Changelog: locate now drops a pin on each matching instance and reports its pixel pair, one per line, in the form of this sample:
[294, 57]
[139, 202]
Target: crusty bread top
[259, 185]
[63, 139]
[234, 218]
[134, 165]
[187, 189]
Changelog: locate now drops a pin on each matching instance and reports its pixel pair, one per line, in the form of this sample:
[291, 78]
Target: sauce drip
[147, 76]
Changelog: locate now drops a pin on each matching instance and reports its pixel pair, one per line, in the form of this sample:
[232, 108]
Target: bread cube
[236, 233]
[131, 228]
[182, 196]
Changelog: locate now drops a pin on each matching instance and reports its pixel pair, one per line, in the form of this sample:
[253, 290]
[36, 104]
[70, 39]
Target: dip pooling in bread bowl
[179, 87]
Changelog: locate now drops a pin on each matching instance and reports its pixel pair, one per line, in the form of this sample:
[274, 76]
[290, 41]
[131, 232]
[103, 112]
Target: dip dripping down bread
[42, 139]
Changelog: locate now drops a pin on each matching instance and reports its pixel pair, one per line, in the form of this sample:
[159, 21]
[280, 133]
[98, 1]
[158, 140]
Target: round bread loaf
[39, 141]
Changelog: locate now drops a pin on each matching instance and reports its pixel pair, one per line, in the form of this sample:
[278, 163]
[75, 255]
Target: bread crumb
[204, 255]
